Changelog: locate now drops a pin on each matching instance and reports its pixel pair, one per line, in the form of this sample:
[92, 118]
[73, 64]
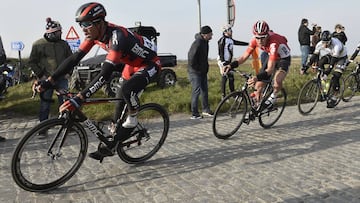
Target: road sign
[18, 46]
[74, 44]
[72, 34]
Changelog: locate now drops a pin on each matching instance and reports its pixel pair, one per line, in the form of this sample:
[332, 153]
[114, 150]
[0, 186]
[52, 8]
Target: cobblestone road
[313, 158]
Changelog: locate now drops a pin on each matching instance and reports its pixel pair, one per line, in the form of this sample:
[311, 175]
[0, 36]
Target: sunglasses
[86, 24]
[262, 37]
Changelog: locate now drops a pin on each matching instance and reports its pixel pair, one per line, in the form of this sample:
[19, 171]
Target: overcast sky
[177, 21]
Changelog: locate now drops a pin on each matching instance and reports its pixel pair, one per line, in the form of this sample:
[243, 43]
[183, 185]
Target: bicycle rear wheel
[268, 117]
[229, 115]
[308, 97]
[350, 87]
[147, 137]
[40, 165]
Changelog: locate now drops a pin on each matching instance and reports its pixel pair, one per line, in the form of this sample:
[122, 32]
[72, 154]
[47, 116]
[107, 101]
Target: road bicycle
[316, 90]
[352, 83]
[40, 165]
[238, 107]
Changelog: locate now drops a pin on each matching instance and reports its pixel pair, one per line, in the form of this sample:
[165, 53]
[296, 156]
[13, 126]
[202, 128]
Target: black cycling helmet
[90, 12]
[326, 36]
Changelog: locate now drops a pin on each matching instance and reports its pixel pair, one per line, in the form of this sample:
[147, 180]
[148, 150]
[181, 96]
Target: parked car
[89, 68]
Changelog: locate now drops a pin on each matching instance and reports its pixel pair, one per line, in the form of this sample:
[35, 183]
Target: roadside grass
[175, 99]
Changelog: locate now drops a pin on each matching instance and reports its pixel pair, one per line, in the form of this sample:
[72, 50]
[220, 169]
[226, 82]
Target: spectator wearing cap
[340, 33]
[225, 56]
[304, 34]
[46, 55]
[198, 67]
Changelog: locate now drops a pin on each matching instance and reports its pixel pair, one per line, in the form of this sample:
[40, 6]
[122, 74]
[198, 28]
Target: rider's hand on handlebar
[226, 69]
[71, 104]
[251, 82]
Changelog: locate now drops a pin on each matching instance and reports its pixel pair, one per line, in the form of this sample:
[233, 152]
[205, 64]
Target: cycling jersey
[276, 46]
[335, 49]
[123, 46]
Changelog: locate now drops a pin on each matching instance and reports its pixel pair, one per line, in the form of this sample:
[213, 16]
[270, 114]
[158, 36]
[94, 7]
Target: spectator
[198, 67]
[340, 33]
[2, 61]
[225, 50]
[2, 53]
[315, 39]
[46, 55]
[304, 34]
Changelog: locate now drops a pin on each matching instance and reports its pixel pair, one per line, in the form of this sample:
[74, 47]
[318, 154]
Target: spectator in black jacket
[198, 67]
[340, 33]
[304, 34]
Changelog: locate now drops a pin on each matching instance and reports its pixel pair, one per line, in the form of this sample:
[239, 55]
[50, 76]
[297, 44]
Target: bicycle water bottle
[252, 97]
[325, 85]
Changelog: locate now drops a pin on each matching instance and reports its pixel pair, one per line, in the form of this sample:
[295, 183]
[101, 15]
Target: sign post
[18, 46]
[73, 39]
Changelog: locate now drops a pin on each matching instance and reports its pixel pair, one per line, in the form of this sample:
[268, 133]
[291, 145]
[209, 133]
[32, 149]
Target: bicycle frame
[79, 116]
[255, 110]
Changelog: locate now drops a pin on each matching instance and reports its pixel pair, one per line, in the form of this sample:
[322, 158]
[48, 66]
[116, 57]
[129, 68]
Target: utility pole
[199, 15]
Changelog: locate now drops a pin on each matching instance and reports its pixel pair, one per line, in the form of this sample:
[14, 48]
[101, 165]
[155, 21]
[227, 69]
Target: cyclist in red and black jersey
[123, 47]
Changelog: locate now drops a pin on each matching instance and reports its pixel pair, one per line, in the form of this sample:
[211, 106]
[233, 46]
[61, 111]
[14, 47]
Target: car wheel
[111, 87]
[167, 78]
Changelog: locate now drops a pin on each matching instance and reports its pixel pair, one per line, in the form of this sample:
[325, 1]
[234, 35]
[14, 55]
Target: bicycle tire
[268, 117]
[34, 169]
[350, 87]
[149, 135]
[308, 97]
[334, 94]
[229, 115]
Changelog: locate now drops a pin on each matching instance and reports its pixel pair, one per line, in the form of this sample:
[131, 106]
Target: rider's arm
[67, 65]
[106, 70]
[240, 43]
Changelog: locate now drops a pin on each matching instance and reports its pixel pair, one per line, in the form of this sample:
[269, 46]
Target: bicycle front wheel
[48, 155]
[229, 115]
[269, 116]
[148, 136]
[350, 87]
[308, 97]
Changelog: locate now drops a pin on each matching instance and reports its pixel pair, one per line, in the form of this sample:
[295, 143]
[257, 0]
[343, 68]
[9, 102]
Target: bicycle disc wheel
[350, 87]
[229, 115]
[147, 137]
[335, 95]
[268, 117]
[308, 97]
[43, 163]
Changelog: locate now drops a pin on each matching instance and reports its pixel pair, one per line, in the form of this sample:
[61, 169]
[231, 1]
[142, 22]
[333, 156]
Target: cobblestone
[313, 158]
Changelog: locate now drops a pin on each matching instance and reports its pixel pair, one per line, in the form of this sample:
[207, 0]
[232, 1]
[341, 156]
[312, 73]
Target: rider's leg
[131, 89]
[278, 81]
[259, 86]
